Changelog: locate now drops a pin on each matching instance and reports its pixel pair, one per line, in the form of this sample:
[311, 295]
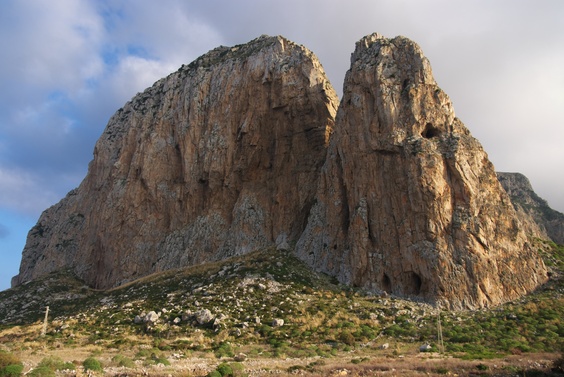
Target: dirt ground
[346, 364]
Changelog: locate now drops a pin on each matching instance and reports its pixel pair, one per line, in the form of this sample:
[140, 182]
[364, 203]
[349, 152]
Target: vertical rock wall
[219, 158]
[241, 150]
[408, 202]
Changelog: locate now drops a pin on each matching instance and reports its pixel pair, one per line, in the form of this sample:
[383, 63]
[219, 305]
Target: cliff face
[241, 150]
[408, 202]
[219, 158]
[535, 214]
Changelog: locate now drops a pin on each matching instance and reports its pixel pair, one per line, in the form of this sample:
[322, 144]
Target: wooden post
[440, 345]
[44, 331]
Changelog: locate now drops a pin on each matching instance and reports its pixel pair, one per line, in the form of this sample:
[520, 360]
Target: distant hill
[534, 212]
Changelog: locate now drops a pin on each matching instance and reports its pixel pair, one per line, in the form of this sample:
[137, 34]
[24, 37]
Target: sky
[67, 65]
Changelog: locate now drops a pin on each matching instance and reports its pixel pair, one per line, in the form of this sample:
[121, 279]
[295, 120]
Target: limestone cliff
[219, 158]
[408, 202]
[244, 148]
[535, 214]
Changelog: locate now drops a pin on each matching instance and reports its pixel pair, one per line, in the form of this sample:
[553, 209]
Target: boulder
[277, 322]
[151, 317]
[203, 316]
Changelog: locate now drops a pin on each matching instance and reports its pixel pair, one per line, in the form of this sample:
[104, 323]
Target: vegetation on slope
[267, 304]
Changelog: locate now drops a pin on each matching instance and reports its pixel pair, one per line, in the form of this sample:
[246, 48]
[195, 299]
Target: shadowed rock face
[219, 158]
[537, 218]
[408, 202]
[232, 153]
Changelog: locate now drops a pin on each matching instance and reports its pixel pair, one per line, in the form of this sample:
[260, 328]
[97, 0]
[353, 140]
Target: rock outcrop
[408, 202]
[535, 214]
[220, 158]
[241, 150]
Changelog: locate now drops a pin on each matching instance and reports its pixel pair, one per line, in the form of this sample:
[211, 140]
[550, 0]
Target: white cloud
[500, 62]
[22, 192]
[51, 44]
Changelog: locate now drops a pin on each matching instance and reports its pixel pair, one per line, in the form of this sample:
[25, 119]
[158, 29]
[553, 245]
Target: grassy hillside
[282, 316]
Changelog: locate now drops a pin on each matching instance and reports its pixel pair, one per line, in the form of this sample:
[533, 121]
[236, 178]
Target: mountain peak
[244, 148]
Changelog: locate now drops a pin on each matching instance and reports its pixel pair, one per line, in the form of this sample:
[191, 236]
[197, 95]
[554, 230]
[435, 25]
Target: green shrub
[224, 349]
[161, 360]
[224, 369]
[295, 369]
[237, 369]
[143, 353]
[10, 365]
[482, 367]
[228, 370]
[123, 361]
[92, 364]
[55, 363]
[13, 370]
[42, 371]
[8, 359]
[347, 338]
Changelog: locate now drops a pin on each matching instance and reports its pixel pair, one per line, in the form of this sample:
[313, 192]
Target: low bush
[41, 372]
[10, 365]
[224, 349]
[7, 358]
[92, 364]
[228, 370]
[347, 338]
[55, 363]
[13, 370]
[123, 361]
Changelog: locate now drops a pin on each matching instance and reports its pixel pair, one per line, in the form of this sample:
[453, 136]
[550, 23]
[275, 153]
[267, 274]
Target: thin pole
[44, 331]
[440, 334]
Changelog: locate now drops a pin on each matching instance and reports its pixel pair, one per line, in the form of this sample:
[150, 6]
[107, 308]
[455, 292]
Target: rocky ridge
[408, 202]
[244, 149]
[534, 212]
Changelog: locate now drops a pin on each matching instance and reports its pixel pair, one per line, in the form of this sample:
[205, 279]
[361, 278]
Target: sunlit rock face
[219, 158]
[408, 202]
[244, 149]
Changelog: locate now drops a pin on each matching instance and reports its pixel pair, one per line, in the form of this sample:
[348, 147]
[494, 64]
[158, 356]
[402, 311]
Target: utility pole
[440, 334]
[44, 331]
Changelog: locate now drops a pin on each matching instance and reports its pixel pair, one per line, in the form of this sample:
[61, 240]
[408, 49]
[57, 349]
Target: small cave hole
[416, 283]
[386, 284]
[405, 84]
[430, 131]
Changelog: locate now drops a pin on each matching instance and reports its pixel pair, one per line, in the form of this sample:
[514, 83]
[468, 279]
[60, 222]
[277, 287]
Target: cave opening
[386, 284]
[430, 131]
[416, 283]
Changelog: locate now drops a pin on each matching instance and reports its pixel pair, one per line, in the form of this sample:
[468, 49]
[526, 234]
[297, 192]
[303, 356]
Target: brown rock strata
[219, 158]
[232, 153]
[408, 202]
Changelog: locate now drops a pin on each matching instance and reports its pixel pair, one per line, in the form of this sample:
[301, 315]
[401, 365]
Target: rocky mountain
[534, 212]
[408, 201]
[217, 159]
[244, 149]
